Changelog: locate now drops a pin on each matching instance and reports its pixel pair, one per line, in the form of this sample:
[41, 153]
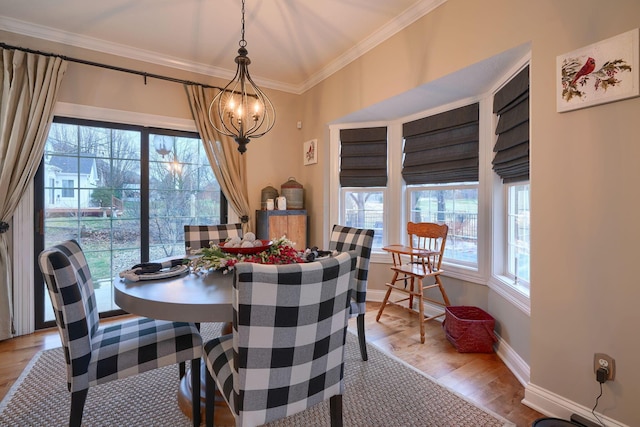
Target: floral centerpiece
[281, 251]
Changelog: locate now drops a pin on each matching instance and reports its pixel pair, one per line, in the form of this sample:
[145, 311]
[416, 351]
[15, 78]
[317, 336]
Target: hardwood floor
[482, 378]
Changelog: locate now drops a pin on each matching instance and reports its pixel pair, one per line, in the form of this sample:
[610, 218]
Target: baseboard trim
[554, 405]
[513, 361]
[535, 397]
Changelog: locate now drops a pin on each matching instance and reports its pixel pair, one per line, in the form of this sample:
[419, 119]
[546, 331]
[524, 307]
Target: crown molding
[408, 17]
[385, 32]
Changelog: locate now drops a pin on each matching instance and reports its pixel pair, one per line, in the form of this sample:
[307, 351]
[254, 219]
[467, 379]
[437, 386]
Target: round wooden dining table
[190, 297]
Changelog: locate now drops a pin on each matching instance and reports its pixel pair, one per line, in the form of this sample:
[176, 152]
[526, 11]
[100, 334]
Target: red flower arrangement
[281, 251]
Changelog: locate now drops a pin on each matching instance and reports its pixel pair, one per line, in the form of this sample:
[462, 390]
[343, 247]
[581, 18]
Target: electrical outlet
[601, 360]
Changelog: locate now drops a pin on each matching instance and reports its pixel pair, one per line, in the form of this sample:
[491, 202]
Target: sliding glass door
[124, 193]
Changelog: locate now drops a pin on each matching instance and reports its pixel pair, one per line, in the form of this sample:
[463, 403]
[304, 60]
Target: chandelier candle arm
[242, 110]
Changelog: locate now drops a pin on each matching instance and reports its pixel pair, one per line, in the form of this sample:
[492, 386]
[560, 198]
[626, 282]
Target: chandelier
[242, 110]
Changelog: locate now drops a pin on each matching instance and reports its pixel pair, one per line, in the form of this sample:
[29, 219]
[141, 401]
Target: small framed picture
[310, 152]
[603, 72]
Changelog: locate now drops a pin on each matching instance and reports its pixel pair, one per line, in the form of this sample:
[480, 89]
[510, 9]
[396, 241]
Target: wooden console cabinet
[290, 223]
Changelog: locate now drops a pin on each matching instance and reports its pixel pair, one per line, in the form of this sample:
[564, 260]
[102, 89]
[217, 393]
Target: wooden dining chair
[96, 355]
[286, 350]
[202, 236]
[361, 240]
[413, 266]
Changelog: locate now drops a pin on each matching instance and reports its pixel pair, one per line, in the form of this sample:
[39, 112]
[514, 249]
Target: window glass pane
[456, 206]
[518, 232]
[87, 169]
[365, 209]
[182, 190]
[92, 184]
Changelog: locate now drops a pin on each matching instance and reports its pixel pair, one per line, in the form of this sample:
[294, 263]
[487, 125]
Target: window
[441, 168]
[363, 178]
[518, 234]
[511, 164]
[364, 208]
[455, 205]
[126, 193]
[445, 165]
[182, 190]
[68, 188]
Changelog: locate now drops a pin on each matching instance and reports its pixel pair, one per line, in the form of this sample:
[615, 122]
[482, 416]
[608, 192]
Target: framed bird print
[603, 72]
[310, 152]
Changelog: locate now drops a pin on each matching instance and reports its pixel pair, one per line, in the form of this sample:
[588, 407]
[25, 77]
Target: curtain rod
[110, 67]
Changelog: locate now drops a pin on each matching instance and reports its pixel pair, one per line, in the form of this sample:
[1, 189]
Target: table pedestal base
[222, 413]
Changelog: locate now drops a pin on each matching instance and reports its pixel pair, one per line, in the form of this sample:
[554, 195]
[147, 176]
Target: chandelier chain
[243, 42]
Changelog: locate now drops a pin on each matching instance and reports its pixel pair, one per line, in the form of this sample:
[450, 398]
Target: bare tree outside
[365, 209]
[92, 193]
[183, 190]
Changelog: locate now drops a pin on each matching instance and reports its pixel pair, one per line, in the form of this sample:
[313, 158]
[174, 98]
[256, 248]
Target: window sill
[515, 294]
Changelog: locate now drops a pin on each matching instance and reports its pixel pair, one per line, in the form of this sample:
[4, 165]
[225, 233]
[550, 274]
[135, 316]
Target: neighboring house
[68, 182]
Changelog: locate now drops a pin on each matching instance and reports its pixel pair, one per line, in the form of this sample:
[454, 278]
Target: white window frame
[491, 198]
[396, 191]
[517, 294]
[518, 281]
[334, 199]
[471, 266]
[385, 208]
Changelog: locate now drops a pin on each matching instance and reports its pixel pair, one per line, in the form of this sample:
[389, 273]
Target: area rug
[383, 391]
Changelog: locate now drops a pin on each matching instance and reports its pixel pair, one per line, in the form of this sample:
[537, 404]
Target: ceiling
[293, 44]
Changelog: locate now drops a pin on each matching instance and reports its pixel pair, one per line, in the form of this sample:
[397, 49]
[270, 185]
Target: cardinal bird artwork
[602, 72]
[586, 69]
[310, 152]
[599, 73]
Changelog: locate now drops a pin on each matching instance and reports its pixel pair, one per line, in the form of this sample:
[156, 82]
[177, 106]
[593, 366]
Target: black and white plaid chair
[201, 236]
[286, 351]
[359, 240]
[95, 354]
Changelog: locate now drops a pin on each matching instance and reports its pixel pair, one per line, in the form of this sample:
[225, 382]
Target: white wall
[583, 171]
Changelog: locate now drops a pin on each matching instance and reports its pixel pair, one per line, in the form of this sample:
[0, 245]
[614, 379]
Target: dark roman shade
[363, 157]
[442, 148]
[511, 104]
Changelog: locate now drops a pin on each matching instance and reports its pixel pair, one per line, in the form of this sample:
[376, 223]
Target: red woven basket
[469, 329]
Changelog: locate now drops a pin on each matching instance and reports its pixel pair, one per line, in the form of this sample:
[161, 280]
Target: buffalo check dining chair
[286, 350]
[360, 240]
[95, 355]
[202, 236]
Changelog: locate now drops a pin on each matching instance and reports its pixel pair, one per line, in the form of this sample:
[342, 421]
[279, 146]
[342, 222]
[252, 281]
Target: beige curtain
[30, 85]
[228, 165]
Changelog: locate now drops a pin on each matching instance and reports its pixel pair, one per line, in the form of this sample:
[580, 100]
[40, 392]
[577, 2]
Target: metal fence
[461, 240]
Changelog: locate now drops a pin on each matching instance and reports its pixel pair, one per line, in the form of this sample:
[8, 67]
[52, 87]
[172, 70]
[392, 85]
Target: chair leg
[195, 391]
[361, 337]
[445, 298]
[77, 407]
[335, 407]
[386, 297]
[210, 393]
[421, 311]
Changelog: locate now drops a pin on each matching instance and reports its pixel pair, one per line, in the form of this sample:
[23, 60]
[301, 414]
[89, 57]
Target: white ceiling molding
[409, 16]
[402, 21]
